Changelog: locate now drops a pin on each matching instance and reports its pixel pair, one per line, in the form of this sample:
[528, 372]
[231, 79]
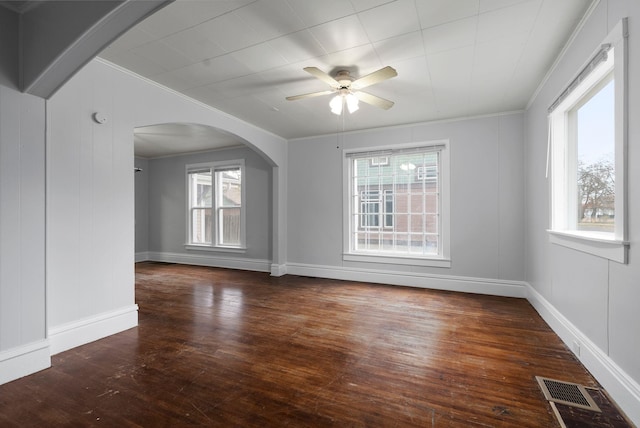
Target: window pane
[402, 243]
[416, 243]
[230, 226]
[388, 242]
[201, 226]
[231, 187]
[401, 203]
[200, 189]
[416, 222]
[431, 203]
[431, 223]
[595, 154]
[417, 203]
[431, 245]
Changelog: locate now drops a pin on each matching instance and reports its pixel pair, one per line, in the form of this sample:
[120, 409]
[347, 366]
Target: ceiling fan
[348, 90]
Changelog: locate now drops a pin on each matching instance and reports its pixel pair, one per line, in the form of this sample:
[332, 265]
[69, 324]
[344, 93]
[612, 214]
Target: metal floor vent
[568, 393]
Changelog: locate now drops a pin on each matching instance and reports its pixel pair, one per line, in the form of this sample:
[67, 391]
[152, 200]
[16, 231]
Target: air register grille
[568, 393]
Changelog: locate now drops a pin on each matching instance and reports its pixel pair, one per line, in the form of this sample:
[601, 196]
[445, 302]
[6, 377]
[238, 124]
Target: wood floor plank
[218, 347]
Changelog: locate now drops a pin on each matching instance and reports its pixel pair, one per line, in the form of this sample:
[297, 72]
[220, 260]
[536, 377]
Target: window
[370, 209]
[427, 173]
[216, 200]
[379, 161]
[587, 143]
[398, 209]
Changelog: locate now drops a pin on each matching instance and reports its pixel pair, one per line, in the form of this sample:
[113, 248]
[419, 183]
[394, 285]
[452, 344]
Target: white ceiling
[454, 58]
[172, 138]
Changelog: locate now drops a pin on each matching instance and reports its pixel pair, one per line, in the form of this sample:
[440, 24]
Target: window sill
[199, 247]
[397, 260]
[591, 243]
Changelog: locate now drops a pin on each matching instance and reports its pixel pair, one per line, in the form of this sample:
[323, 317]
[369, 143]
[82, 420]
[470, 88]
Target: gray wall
[22, 235]
[487, 201]
[168, 201]
[8, 48]
[597, 297]
[142, 207]
[90, 207]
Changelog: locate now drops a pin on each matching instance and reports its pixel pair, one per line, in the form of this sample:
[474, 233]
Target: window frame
[562, 157]
[216, 206]
[443, 258]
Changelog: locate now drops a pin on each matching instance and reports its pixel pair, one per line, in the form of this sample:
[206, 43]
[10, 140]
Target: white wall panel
[579, 284]
[23, 347]
[315, 201]
[596, 297]
[10, 210]
[511, 198]
[90, 197]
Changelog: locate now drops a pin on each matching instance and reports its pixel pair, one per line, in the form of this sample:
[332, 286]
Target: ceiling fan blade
[310, 95]
[319, 74]
[374, 100]
[373, 78]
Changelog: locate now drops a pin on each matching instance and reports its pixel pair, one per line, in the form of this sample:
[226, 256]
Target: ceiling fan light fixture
[352, 103]
[336, 105]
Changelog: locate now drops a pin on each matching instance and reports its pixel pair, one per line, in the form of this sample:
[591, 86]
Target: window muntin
[215, 195]
[587, 187]
[395, 209]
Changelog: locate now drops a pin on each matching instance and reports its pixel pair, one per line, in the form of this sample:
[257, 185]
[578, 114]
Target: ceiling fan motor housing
[343, 77]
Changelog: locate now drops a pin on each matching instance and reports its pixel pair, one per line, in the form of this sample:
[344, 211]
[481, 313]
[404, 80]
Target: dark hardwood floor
[228, 348]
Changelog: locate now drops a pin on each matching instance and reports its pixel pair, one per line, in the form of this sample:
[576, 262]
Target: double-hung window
[587, 146]
[216, 205]
[397, 205]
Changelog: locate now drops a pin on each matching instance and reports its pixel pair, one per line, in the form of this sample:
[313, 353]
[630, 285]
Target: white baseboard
[212, 261]
[278, 270]
[464, 284]
[70, 335]
[142, 256]
[24, 360]
[621, 387]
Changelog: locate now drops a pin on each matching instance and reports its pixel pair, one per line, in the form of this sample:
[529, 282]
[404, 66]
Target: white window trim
[444, 259]
[591, 243]
[606, 245]
[215, 246]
